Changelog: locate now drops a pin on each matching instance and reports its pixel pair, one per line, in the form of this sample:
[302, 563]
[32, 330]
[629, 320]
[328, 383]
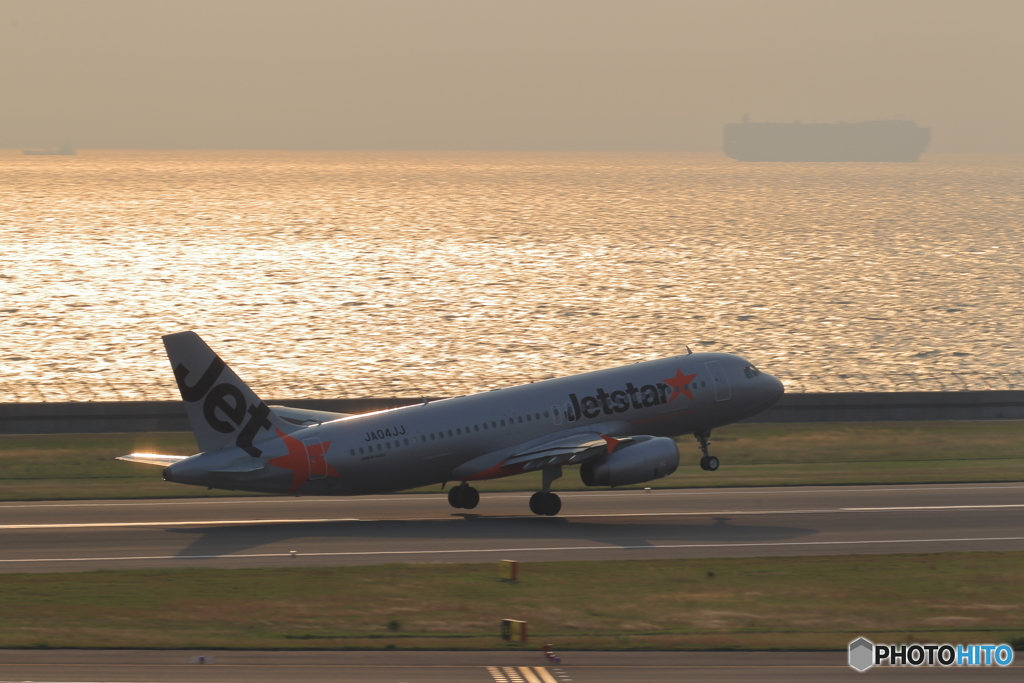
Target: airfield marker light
[508, 570]
[293, 553]
[513, 631]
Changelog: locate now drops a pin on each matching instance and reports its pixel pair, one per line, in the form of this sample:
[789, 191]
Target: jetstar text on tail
[621, 400]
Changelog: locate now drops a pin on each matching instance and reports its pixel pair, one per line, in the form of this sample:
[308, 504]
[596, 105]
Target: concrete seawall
[169, 416]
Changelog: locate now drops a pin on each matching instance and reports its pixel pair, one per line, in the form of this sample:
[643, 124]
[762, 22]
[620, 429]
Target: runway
[594, 525]
[142, 666]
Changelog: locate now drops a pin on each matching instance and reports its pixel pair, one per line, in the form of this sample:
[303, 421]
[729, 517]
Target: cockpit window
[751, 372]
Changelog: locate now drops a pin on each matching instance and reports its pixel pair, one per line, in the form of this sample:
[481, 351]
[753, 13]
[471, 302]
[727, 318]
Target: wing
[560, 450]
[303, 416]
[153, 458]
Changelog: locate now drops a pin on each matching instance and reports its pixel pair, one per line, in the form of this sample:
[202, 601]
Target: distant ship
[891, 140]
[65, 151]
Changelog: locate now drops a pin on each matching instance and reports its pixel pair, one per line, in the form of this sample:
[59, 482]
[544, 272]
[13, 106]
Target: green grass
[736, 603]
[83, 465]
[64, 466]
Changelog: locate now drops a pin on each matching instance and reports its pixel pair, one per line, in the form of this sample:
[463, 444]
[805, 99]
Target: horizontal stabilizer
[153, 458]
[303, 416]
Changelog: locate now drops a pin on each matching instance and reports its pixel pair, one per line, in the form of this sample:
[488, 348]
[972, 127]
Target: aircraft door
[315, 457]
[721, 383]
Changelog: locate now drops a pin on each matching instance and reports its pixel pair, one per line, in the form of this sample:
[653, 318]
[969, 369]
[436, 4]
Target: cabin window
[361, 450]
[527, 417]
[545, 415]
[476, 428]
[570, 415]
[406, 441]
[557, 414]
[502, 423]
[485, 426]
[458, 430]
[537, 415]
[449, 432]
[520, 419]
[494, 425]
[467, 429]
[702, 384]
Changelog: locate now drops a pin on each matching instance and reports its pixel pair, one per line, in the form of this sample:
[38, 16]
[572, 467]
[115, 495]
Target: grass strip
[69, 466]
[800, 603]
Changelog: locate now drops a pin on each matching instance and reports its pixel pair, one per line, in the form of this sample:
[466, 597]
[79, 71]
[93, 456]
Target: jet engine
[636, 463]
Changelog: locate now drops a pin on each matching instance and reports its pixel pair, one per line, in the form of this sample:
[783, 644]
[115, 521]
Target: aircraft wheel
[712, 464]
[455, 497]
[470, 498]
[552, 504]
[704, 463]
[537, 503]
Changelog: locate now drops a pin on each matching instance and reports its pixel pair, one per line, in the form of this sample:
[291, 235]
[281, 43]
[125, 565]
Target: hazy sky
[497, 74]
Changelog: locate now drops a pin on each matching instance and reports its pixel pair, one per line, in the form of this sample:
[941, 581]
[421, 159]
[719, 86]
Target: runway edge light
[513, 631]
[508, 570]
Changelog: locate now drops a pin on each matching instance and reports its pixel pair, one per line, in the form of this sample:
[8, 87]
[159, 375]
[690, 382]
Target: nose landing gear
[707, 462]
[463, 496]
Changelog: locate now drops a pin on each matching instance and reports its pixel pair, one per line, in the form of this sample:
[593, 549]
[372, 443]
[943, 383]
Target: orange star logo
[303, 460]
[679, 385]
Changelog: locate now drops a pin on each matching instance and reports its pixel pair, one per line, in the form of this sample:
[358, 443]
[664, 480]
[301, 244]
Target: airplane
[616, 424]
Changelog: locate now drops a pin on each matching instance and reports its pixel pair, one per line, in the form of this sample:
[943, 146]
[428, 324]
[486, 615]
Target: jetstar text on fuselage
[621, 400]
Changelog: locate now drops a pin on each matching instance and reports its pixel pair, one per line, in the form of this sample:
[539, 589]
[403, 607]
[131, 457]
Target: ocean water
[342, 274]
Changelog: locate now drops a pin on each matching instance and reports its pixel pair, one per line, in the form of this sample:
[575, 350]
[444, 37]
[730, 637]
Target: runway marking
[81, 525]
[544, 675]
[496, 674]
[368, 553]
[314, 520]
[931, 507]
[400, 497]
[528, 675]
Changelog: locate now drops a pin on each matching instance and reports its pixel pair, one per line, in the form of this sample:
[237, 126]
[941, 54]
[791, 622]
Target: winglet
[611, 441]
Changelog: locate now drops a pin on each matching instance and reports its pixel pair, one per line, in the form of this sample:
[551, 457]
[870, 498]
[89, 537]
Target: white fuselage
[469, 437]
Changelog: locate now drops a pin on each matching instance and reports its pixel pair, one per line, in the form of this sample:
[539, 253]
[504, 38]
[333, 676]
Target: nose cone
[767, 392]
[776, 388]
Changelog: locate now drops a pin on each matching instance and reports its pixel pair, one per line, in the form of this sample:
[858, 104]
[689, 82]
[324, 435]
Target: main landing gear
[463, 496]
[545, 502]
[707, 462]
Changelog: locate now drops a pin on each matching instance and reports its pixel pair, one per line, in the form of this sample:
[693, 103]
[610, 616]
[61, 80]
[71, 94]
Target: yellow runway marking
[496, 674]
[545, 677]
[528, 675]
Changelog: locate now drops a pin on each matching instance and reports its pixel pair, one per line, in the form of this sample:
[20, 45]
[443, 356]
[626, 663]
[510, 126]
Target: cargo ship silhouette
[890, 140]
[65, 151]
